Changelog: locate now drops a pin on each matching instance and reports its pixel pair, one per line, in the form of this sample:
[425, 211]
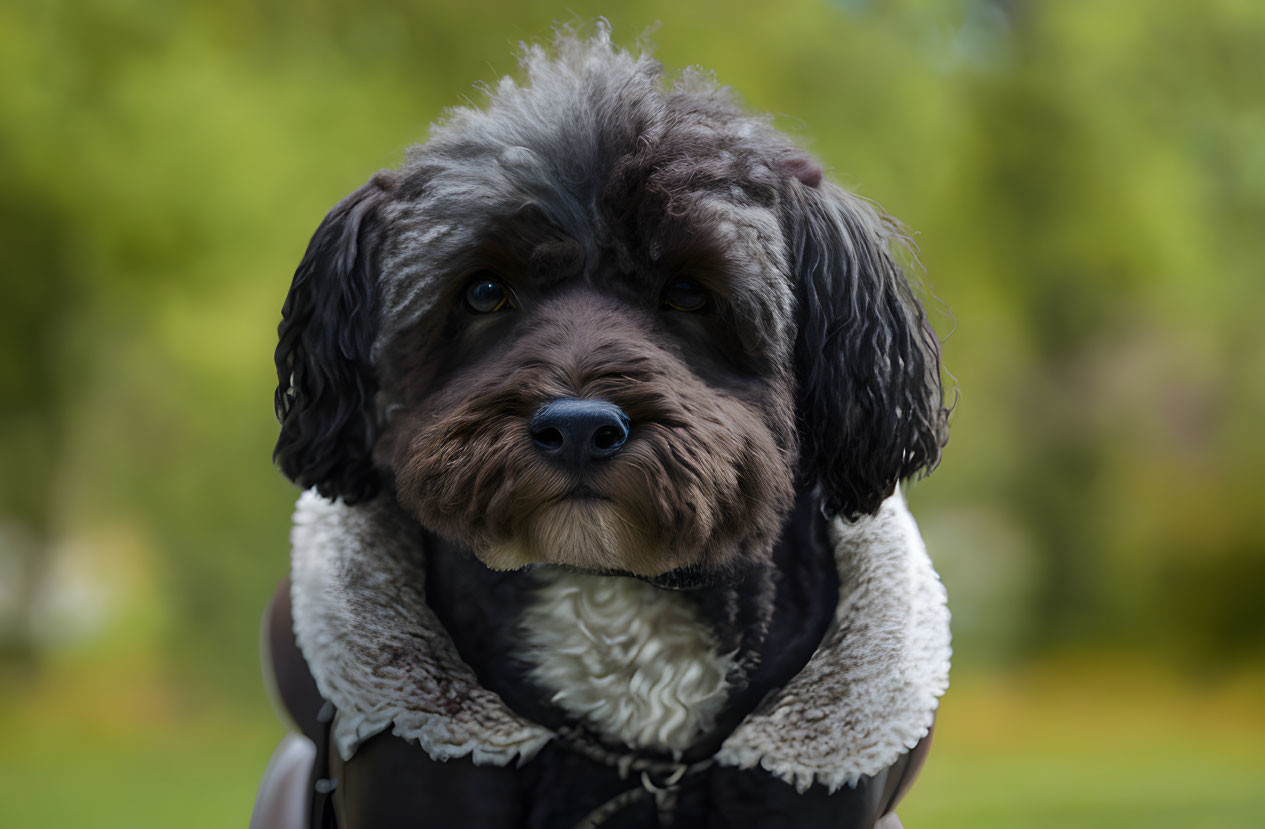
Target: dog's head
[607, 324]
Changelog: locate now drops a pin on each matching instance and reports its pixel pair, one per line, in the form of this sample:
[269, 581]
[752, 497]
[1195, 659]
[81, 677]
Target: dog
[602, 402]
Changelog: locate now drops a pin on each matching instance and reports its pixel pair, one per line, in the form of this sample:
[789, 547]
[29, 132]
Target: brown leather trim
[292, 688]
[901, 775]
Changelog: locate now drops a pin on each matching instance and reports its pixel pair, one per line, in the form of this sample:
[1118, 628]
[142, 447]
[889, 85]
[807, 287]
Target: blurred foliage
[1086, 182]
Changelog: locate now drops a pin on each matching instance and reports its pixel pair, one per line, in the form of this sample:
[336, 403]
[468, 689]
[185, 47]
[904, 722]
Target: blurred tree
[1087, 182]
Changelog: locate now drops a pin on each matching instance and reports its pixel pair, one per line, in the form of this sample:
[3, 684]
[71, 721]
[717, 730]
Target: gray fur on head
[584, 119]
[625, 166]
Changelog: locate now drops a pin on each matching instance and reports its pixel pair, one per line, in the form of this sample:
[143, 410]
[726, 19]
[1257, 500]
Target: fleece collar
[380, 655]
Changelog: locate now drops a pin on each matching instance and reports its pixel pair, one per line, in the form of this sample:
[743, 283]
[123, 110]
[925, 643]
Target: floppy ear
[325, 383]
[868, 365]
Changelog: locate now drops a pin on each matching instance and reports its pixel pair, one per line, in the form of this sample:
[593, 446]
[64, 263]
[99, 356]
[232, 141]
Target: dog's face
[607, 325]
[580, 396]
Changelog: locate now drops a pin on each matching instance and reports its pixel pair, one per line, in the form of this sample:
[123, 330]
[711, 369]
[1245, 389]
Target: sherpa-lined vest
[406, 737]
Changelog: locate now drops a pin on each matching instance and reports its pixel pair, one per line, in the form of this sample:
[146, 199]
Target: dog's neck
[639, 667]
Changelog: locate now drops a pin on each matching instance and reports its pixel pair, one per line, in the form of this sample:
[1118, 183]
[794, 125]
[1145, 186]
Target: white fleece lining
[378, 652]
[375, 647]
[870, 691]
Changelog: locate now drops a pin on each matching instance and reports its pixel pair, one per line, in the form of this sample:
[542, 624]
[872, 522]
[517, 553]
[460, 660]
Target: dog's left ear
[325, 381]
[871, 405]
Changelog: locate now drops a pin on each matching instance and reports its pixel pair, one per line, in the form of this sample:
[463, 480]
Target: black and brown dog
[603, 400]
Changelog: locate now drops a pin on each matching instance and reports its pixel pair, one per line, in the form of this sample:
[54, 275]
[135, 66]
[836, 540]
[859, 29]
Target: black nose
[578, 431]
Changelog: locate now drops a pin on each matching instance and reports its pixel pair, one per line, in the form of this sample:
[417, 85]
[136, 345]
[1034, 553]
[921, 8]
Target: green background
[1086, 182]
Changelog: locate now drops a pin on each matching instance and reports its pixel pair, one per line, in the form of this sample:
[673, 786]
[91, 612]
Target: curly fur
[811, 374]
[624, 658]
[326, 382]
[624, 181]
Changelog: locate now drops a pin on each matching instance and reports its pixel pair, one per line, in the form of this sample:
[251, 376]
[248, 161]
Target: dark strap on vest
[659, 779]
[321, 814]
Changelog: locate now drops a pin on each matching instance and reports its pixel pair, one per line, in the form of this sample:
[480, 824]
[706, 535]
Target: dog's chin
[591, 534]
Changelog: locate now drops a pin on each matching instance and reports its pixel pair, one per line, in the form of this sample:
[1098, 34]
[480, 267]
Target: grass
[1083, 743]
[126, 752]
[1069, 743]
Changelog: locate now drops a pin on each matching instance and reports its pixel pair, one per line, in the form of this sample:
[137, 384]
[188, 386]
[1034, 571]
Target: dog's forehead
[610, 159]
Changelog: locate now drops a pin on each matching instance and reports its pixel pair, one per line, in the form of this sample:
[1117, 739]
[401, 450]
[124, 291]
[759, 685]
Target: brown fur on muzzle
[705, 478]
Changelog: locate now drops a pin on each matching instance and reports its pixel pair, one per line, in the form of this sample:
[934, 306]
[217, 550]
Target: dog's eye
[485, 294]
[685, 295]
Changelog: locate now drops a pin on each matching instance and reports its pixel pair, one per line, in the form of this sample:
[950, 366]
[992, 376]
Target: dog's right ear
[325, 381]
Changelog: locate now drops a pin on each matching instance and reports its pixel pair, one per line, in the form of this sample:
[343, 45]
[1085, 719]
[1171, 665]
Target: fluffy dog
[604, 397]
